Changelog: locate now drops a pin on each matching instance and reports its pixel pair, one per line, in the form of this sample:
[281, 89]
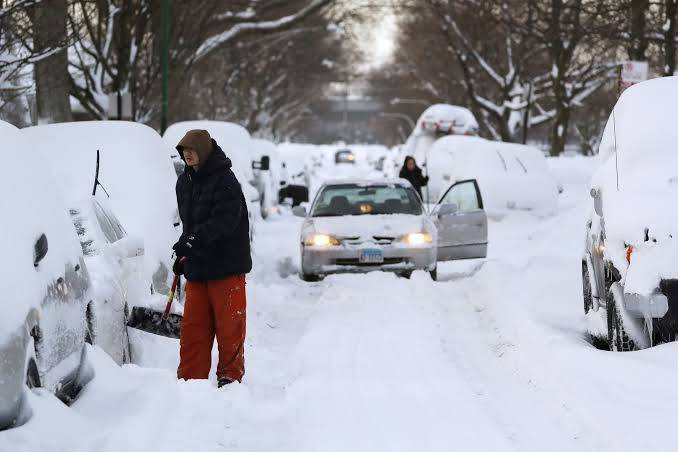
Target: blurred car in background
[629, 272]
[46, 315]
[511, 176]
[266, 168]
[344, 156]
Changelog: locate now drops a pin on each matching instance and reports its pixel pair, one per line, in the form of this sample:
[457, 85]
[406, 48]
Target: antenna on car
[616, 156]
[96, 179]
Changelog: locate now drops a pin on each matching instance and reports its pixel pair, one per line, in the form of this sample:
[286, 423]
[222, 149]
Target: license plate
[371, 256]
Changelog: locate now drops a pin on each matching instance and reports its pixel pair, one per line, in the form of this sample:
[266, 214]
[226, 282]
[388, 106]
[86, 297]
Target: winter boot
[224, 381]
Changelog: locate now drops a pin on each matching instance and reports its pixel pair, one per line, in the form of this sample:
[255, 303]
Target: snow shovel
[156, 322]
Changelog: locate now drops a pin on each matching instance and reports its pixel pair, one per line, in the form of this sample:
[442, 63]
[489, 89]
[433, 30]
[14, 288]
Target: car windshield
[354, 199]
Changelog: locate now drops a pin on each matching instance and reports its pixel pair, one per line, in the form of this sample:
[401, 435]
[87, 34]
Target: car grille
[377, 240]
[356, 262]
[380, 240]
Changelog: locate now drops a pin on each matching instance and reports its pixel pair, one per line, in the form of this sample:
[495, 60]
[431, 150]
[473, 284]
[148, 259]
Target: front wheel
[434, 274]
[617, 333]
[586, 286]
[309, 277]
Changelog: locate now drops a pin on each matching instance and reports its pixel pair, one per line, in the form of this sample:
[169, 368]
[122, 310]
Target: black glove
[178, 267]
[187, 245]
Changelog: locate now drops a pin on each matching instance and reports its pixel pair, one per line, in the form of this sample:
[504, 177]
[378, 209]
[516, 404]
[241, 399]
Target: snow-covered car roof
[260, 147]
[234, 139]
[511, 176]
[448, 119]
[366, 182]
[134, 170]
[31, 207]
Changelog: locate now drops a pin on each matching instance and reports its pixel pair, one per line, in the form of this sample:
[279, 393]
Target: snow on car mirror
[264, 164]
[40, 249]
[597, 201]
[127, 247]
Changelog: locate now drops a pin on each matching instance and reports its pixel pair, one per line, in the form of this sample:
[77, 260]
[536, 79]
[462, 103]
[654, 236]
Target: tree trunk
[638, 40]
[52, 82]
[671, 10]
[561, 124]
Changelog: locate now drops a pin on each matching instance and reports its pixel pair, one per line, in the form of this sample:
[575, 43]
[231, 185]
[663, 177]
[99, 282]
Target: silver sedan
[358, 226]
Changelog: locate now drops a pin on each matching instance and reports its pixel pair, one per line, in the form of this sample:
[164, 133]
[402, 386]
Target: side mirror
[597, 201]
[264, 164]
[40, 249]
[447, 210]
[299, 211]
[128, 247]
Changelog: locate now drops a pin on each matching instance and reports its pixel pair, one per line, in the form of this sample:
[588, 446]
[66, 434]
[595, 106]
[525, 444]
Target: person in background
[411, 172]
[213, 253]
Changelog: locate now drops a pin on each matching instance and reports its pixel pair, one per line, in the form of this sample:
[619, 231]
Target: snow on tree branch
[216, 41]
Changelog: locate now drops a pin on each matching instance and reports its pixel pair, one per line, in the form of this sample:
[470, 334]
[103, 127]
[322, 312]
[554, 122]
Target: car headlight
[321, 240]
[418, 238]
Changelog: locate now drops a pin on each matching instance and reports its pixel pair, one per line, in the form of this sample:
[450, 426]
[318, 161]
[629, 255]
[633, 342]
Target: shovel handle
[170, 298]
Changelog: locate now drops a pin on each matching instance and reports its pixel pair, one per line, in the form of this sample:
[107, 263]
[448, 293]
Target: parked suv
[629, 271]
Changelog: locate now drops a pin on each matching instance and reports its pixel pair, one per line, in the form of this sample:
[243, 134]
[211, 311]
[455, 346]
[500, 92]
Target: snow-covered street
[493, 356]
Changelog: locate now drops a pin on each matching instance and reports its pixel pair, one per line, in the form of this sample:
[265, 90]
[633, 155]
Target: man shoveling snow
[216, 247]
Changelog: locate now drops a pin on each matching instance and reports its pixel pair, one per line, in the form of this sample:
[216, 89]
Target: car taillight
[629, 252]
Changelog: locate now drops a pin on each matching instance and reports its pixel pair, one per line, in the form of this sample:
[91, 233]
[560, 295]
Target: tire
[126, 348]
[586, 287]
[617, 336]
[32, 374]
[406, 275]
[33, 379]
[309, 277]
[90, 327]
[434, 274]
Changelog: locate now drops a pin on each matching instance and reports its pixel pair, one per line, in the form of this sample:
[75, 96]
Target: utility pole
[526, 115]
[164, 62]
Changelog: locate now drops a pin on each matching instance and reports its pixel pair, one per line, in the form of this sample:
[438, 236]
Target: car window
[464, 195]
[353, 199]
[109, 223]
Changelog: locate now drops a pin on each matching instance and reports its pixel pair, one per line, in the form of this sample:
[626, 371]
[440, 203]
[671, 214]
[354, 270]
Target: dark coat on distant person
[415, 177]
[214, 213]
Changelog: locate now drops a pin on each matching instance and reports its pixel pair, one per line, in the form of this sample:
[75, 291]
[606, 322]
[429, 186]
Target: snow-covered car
[629, 272]
[361, 225]
[45, 286]
[266, 167]
[344, 156]
[511, 176]
[436, 121]
[235, 141]
[298, 163]
[448, 119]
[135, 187]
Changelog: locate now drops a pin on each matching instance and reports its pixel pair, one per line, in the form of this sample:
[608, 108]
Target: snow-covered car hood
[367, 225]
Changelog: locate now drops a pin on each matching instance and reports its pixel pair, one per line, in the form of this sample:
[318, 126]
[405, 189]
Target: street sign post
[632, 72]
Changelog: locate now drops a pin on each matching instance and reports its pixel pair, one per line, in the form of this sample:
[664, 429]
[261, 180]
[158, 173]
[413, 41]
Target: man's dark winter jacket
[212, 207]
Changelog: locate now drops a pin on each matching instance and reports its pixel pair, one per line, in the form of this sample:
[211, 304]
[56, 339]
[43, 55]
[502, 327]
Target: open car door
[461, 223]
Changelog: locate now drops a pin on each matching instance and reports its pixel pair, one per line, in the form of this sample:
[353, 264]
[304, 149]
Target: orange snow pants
[213, 308]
